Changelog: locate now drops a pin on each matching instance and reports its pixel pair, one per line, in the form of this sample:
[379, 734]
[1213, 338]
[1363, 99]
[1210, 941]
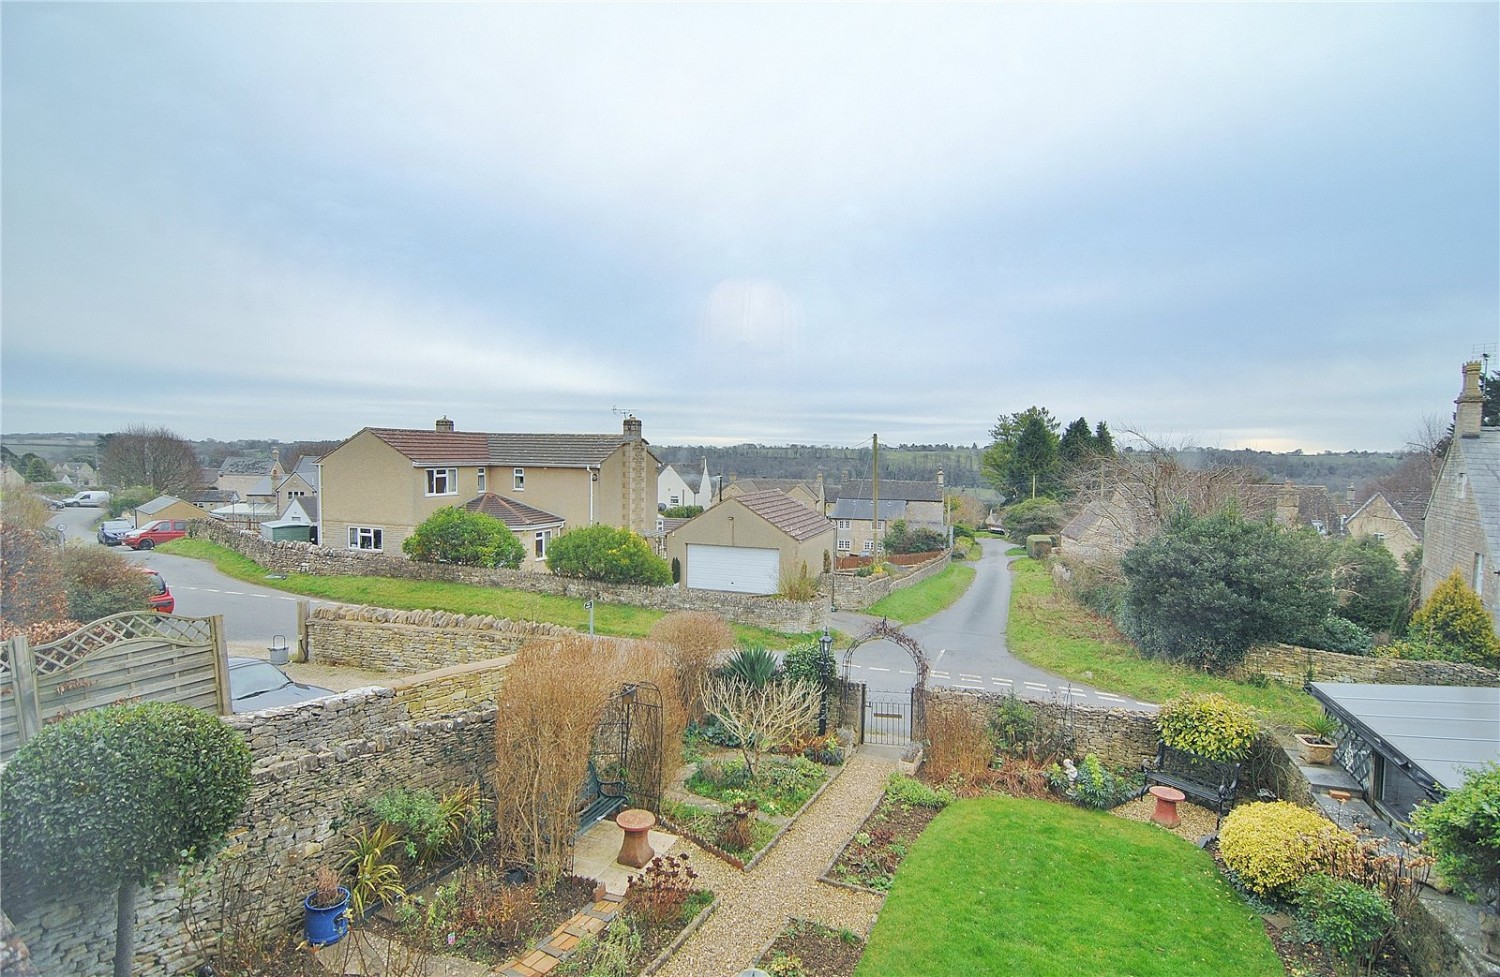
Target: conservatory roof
[1443, 730]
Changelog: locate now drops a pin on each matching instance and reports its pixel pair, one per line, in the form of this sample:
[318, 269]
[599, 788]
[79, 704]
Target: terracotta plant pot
[1316, 751]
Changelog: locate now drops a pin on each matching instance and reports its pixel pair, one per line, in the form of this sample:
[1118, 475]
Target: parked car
[87, 500]
[112, 531]
[162, 601]
[256, 684]
[155, 532]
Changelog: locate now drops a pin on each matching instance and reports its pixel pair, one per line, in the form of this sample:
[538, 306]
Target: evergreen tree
[1104, 442]
[1077, 443]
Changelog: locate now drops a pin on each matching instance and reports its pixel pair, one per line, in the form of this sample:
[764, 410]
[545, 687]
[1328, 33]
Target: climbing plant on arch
[886, 631]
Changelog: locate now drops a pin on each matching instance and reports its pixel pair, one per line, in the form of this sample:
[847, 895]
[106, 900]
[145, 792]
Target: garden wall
[793, 617]
[415, 641]
[851, 593]
[315, 765]
[1290, 665]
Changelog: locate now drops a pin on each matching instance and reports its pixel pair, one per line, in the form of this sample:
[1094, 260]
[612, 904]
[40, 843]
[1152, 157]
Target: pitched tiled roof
[862, 509]
[515, 515]
[157, 504]
[786, 514]
[245, 466]
[476, 448]
[893, 489]
[308, 504]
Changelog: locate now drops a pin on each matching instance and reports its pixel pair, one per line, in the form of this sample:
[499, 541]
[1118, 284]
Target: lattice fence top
[66, 652]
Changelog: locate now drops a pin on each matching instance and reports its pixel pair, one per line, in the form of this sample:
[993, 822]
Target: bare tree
[154, 457]
[762, 718]
[1410, 483]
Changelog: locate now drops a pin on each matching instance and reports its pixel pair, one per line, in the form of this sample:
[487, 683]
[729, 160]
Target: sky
[1273, 226]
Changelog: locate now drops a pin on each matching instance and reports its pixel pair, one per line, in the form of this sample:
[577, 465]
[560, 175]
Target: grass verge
[618, 620]
[925, 599]
[1074, 893]
[1050, 631]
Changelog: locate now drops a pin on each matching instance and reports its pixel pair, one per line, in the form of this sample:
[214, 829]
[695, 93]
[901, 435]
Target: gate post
[23, 673]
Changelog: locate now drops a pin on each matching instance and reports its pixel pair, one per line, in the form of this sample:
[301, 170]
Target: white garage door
[738, 568]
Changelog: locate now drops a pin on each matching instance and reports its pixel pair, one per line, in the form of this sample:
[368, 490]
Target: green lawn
[619, 620]
[1002, 885]
[1052, 632]
[925, 599]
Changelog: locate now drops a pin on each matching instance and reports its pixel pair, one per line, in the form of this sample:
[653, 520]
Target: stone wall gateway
[315, 767]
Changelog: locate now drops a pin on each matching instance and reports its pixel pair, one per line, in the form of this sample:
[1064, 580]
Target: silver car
[255, 684]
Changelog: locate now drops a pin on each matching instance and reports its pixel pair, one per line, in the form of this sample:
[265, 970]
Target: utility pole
[875, 498]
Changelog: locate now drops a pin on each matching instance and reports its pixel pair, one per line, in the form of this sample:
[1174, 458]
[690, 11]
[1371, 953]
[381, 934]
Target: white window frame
[374, 535]
[518, 479]
[869, 547]
[539, 543]
[846, 545]
[843, 524]
[442, 481]
[481, 475]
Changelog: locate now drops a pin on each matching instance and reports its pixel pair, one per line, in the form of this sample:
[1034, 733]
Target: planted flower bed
[807, 949]
[871, 858]
[659, 905]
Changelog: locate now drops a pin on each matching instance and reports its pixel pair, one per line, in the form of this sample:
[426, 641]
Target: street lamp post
[825, 669]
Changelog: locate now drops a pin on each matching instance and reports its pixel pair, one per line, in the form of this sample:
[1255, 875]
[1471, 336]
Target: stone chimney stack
[1470, 403]
[1349, 494]
[940, 478]
[444, 425]
[632, 428]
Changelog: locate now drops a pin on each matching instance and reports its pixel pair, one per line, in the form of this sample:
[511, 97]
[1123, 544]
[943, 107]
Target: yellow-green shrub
[1208, 724]
[1273, 846]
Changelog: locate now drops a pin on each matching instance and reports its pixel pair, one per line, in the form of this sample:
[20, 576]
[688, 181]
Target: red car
[158, 531]
[162, 601]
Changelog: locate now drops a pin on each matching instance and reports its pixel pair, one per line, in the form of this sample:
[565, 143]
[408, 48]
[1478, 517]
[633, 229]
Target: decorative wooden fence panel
[124, 658]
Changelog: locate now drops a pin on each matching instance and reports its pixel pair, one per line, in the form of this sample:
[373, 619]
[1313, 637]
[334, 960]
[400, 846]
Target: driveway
[966, 647]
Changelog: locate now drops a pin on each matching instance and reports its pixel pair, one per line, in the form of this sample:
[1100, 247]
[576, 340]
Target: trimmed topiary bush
[105, 799]
[1208, 724]
[1453, 626]
[1271, 847]
[462, 538]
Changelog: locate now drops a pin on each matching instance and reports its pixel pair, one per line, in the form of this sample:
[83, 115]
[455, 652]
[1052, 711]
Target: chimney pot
[445, 425]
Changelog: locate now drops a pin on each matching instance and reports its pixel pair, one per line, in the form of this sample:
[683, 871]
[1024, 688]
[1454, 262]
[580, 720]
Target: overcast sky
[1271, 225]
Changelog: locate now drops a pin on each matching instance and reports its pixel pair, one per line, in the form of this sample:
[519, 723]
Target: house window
[518, 479]
[675, 499]
[845, 545]
[442, 481]
[294, 494]
[1379, 537]
[882, 525]
[480, 477]
[843, 524]
[869, 546]
[365, 538]
[540, 543]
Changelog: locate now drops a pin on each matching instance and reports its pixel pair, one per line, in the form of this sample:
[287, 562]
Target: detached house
[1396, 524]
[920, 504]
[1462, 529]
[381, 483]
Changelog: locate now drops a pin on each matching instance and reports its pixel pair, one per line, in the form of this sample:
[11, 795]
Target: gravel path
[754, 905]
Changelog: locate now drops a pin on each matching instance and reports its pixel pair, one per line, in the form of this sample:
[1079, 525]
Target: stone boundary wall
[1289, 665]
[315, 767]
[775, 613]
[1119, 737]
[853, 593]
[415, 641]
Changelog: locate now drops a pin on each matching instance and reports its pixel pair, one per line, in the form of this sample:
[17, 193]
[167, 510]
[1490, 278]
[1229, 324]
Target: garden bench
[598, 799]
[1214, 782]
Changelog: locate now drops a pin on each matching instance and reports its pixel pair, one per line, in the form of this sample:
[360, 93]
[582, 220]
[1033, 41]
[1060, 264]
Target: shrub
[958, 743]
[753, 666]
[609, 555]
[806, 661]
[1335, 633]
[901, 538]
[1349, 920]
[1452, 625]
[1034, 517]
[694, 641]
[1097, 787]
[1463, 831]
[462, 538]
[132, 497]
[373, 876]
[1271, 847]
[658, 894]
[101, 582]
[681, 511]
[798, 586]
[901, 789]
[1208, 724]
[430, 826]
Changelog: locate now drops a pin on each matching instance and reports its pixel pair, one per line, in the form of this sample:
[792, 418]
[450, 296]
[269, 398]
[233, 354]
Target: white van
[88, 500]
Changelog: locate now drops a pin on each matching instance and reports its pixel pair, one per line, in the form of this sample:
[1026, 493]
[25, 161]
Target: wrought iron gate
[888, 721]
[627, 744]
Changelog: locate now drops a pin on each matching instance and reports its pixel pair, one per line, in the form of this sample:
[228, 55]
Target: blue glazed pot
[327, 924]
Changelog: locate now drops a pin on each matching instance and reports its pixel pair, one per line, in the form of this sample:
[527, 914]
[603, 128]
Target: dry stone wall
[1291, 665]
[415, 641]
[853, 593]
[316, 765]
[794, 617]
[1119, 737]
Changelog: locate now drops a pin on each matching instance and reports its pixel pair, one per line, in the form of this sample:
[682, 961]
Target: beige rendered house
[1462, 529]
[750, 543]
[381, 483]
[166, 507]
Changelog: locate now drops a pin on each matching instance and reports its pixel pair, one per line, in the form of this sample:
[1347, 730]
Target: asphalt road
[965, 647]
[253, 616]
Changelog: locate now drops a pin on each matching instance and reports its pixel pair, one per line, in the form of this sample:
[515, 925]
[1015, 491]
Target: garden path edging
[692, 927]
